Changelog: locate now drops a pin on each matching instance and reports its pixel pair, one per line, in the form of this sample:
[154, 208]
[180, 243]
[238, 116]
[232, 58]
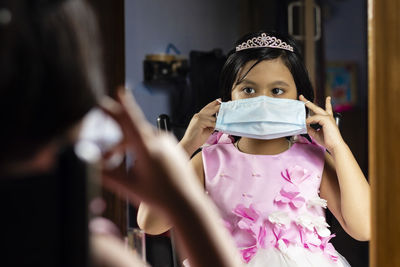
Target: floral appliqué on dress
[276, 228]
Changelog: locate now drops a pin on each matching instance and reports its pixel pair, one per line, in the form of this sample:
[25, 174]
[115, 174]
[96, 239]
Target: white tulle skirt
[294, 257]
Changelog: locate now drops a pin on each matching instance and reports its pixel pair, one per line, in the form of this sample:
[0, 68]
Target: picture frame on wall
[341, 85]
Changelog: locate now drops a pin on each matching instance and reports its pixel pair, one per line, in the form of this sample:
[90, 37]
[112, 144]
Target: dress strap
[219, 138]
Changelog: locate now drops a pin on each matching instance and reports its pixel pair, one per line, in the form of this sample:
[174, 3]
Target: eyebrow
[279, 83]
[247, 81]
[275, 83]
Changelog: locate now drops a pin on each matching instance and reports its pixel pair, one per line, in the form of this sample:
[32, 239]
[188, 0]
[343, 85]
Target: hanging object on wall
[296, 27]
[165, 66]
[341, 84]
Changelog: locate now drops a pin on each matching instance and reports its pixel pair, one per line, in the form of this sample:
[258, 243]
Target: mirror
[190, 31]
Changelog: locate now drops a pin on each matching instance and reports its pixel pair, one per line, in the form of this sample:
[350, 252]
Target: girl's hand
[329, 135]
[200, 127]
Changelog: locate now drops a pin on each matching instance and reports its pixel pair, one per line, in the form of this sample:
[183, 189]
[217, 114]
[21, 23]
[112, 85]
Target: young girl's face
[268, 78]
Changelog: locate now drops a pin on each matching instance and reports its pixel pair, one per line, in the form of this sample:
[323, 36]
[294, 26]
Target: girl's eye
[277, 91]
[248, 90]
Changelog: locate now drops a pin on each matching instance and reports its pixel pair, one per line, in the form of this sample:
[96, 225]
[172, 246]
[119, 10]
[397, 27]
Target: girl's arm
[343, 183]
[347, 192]
[200, 128]
[151, 221]
[154, 223]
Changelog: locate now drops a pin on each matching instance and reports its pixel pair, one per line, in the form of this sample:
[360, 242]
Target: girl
[269, 180]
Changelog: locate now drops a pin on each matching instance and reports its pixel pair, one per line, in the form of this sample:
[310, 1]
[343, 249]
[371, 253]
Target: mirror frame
[384, 110]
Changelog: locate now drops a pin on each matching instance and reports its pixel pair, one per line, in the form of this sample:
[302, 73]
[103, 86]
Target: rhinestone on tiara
[264, 41]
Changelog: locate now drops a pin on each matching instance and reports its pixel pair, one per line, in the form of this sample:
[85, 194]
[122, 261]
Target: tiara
[264, 41]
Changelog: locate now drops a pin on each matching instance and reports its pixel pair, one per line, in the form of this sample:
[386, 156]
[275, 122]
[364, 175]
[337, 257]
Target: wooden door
[110, 15]
[384, 130]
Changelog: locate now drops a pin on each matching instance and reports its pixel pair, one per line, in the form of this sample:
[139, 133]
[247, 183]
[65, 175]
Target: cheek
[293, 95]
[235, 95]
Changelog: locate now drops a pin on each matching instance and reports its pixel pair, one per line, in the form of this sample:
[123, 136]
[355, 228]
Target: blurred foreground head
[50, 72]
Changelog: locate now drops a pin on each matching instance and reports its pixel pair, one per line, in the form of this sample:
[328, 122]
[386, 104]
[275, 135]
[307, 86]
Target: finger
[111, 107]
[114, 110]
[204, 117]
[328, 106]
[211, 111]
[208, 124]
[117, 112]
[313, 119]
[203, 120]
[118, 148]
[132, 133]
[135, 113]
[211, 108]
[320, 119]
[314, 108]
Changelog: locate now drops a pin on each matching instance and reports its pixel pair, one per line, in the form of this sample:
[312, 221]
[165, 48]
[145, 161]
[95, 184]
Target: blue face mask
[262, 117]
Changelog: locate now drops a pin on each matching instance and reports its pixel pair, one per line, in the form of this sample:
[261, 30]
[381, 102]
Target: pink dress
[270, 203]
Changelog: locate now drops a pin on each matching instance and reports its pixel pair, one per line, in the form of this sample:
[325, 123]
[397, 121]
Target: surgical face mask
[262, 117]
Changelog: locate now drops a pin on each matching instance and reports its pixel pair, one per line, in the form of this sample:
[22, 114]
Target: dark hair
[50, 72]
[293, 60]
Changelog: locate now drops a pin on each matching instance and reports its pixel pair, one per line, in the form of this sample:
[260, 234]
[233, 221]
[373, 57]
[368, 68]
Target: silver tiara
[264, 41]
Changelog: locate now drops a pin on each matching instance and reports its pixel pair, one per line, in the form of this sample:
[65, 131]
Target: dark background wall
[188, 24]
